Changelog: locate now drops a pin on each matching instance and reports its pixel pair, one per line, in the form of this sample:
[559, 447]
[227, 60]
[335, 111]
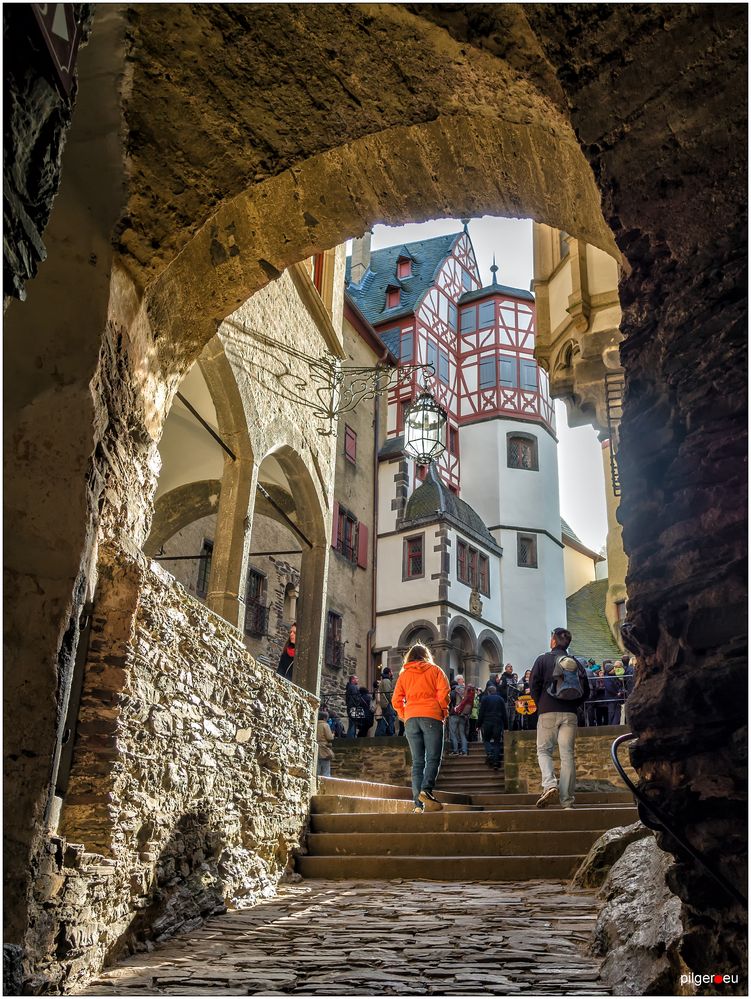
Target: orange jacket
[422, 691]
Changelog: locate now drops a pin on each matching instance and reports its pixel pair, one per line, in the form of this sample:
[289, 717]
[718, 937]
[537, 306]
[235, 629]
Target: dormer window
[404, 267]
[392, 297]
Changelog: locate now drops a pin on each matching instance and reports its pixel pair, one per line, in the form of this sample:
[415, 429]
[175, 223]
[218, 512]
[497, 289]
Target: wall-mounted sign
[61, 34]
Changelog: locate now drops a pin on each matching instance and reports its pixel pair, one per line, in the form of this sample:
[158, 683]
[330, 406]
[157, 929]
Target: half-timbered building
[470, 554]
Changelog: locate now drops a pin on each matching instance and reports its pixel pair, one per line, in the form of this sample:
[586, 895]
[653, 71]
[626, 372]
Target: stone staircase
[360, 830]
[470, 774]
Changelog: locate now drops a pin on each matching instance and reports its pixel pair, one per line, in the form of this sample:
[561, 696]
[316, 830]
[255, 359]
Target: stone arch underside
[179, 507]
[416, 627]
[670, 167]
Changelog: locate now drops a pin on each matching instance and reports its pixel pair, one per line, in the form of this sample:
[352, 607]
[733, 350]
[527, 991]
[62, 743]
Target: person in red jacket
[421, 700]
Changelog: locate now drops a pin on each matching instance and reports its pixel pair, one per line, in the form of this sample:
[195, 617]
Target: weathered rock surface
[608, 849]
[639, 928]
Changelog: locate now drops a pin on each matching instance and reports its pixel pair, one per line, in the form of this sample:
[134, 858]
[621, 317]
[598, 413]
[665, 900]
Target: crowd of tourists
[425, 703]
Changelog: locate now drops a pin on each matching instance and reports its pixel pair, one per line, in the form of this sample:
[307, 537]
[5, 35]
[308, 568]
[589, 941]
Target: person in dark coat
[287, 658]
[364, 724]
[557, 721]
[613, 694]
[492, 721]
[352, 700]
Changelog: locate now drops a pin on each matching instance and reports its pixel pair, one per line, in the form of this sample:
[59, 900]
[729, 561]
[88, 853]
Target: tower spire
[494, 271]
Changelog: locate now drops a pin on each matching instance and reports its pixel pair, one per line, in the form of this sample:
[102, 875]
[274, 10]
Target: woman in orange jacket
[421, 700]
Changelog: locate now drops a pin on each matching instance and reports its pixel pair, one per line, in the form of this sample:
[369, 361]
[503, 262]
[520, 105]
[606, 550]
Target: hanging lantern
[424, 427]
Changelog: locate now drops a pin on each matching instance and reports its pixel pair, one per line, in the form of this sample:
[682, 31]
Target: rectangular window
[526, 551]
[256, 612]
[404, 268]
[204, 567]
[466, 280]
[522, 452]
[508, 372]
[391, 340]
[346, 536]
[393, 298]
[483, 568]
[318, 272]
[529, 376]
[487, 372]
[350, 444]
[405, 348]
[472, 567]
[443, 366]
[461, 562]
[453, 441]
[469, 319]
[334, 644]
[413, 558]
[452, 316]
[487, 314]
[433, 356]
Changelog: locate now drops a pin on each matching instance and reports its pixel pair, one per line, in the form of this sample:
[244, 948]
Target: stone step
[367, 789]
[490, 783]
[475, 769]
[582, 798]
[333, 804]
[419, 843]
[381, 868]
[522, 819]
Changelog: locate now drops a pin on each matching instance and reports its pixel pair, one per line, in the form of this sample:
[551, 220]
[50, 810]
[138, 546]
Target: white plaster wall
[389, 628]
[510, 497]
[391, 591]
[533, 600]
[386, 495]
[188, 452]
[459, 593]
[578, 570]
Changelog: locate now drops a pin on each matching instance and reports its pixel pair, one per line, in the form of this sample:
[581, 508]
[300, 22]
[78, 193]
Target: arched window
[522, 452]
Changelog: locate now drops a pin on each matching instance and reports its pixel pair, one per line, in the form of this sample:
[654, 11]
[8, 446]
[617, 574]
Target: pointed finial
[465, 223]
[494, 270]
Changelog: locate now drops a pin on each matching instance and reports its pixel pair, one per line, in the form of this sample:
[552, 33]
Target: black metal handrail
[664, 826]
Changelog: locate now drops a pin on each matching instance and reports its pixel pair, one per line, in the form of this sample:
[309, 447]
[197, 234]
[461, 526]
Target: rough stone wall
[593, 762]
[381, 761]
[190, 781]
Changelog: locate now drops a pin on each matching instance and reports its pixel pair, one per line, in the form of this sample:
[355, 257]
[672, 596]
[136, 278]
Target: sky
[582, 480]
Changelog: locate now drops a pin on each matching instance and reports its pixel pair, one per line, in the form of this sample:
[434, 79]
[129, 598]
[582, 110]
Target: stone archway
[462, 649]
[490, 651]
[184, 262]
[179, 507]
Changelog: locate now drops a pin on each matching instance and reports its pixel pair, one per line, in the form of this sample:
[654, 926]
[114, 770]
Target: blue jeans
[352, 730]
[425, 738]
[458, 733]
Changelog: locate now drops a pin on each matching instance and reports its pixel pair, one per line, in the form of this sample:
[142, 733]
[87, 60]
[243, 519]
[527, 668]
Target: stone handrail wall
[190, 783]
[388, 760]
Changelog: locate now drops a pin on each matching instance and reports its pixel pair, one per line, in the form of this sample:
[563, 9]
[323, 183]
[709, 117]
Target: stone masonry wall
[381, 761]
[190, 782]
[593, 761]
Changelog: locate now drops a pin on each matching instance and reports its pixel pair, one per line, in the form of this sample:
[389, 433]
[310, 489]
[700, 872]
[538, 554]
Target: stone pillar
[473, 669]
[617, 561]
[231, 541]
[310, 622]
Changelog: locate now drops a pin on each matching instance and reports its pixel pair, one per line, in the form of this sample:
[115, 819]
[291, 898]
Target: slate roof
[496, 289]
[393, 446]
[585, 611]
[434, 500]
[567, 532]
[370, 295]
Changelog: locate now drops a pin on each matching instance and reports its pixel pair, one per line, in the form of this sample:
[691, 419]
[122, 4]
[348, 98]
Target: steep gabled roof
[370, 295]
[574, 541]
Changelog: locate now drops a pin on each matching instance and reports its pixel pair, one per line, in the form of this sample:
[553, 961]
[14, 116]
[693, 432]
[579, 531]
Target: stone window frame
[531, 540]
[472, 558]
[406, 577]
[255, 619]
[348, 552]
[515, 435]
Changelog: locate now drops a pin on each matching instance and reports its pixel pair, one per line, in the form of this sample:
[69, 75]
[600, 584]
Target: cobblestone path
[351, 938]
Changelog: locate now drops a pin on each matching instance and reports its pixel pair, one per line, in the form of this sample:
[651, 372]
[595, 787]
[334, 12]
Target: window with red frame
[350, 444]
[461, 561]
[413, 560]
[453, 441]
[392, 298]
[403, 268]
[318, 272]
[483, 568]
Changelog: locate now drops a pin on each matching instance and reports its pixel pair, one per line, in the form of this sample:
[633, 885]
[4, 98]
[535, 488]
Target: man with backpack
[559, 685]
